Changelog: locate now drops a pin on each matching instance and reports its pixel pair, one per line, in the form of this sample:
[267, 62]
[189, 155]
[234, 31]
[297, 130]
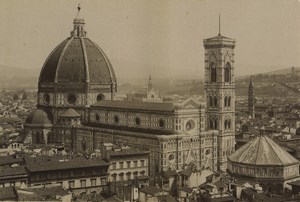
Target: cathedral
[76, 107]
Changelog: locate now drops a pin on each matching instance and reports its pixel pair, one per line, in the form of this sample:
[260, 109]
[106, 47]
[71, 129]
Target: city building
[150, 193]
[128, 170]
[152, 95]
[77, 174]
[263, 161]
[78, 79]
[126, 164]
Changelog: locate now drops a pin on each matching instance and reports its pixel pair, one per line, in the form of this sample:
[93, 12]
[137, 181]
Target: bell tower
[251, 99]
[220, 93]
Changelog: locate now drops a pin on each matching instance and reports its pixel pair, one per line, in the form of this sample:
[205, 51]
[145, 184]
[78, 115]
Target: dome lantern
[78, 30]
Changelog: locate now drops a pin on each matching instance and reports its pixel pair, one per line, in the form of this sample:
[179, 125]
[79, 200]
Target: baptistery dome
[262, 160]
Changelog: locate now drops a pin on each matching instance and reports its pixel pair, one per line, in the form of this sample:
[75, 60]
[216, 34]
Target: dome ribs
[108, 72]
[72, 70]
[87, 74]
[49, 68]
[60, 58]
[262, 151]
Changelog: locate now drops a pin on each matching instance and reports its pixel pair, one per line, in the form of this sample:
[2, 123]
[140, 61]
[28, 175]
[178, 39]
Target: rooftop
[169, 173]
[186, 189]
[126, 152]
[262, 151]
[39, 194]
[6, 171]
[187, 171]
[39, 117]
[151, 190]
[8, 160]
[167, 198]
[45, 163]
[295, 183]
[70, 113]
[133, 130]
[8, 193]
[136, 105]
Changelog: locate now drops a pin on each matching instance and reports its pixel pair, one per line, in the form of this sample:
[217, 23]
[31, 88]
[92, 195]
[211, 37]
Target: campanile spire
[219, 24]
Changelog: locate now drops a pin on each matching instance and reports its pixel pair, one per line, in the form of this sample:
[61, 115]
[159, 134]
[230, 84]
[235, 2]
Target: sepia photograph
[150, 100]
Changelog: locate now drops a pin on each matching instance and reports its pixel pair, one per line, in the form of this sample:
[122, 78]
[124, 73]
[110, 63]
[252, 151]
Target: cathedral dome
[77, 59]
[39, 117]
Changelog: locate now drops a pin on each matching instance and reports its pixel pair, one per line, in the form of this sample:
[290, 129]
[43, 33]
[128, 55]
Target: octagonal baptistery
[76, 74]
[264, 161]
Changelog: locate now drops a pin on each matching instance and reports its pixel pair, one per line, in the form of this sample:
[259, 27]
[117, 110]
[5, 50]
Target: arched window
[225, 124]
[211, 124]
[216, 124]
[229, 101]
[213, 73]
[83, 144]
[229, 124]
[37, 140]
[97, 117]
[210, 101]
[227, 76]
[225, 101]
[215, 101]
[100, 97]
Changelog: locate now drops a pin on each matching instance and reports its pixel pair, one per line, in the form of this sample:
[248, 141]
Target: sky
[163, 38]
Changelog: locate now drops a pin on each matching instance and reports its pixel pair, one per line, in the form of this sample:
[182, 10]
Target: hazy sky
[161, 37]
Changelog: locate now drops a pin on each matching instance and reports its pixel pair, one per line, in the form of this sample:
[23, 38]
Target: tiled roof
[167, 198]
[186, 189]
[169, 173]
[151, 190]
[6, 171]
[40, 194]
[262, 151]
[135, 105]
[187, 171]
[126, 152]
[223, 199]
[44, 163]
[295, 183]
[8, 160]
[219, 184]
[70, 113]
[8, 193]
[133, 130]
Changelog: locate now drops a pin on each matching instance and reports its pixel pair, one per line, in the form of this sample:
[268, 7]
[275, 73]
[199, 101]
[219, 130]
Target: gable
[190, 103]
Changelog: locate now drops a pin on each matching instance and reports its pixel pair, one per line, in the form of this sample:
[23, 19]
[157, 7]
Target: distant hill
[135, 79]
[284, 71]
[13, 77]
[275, 72]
